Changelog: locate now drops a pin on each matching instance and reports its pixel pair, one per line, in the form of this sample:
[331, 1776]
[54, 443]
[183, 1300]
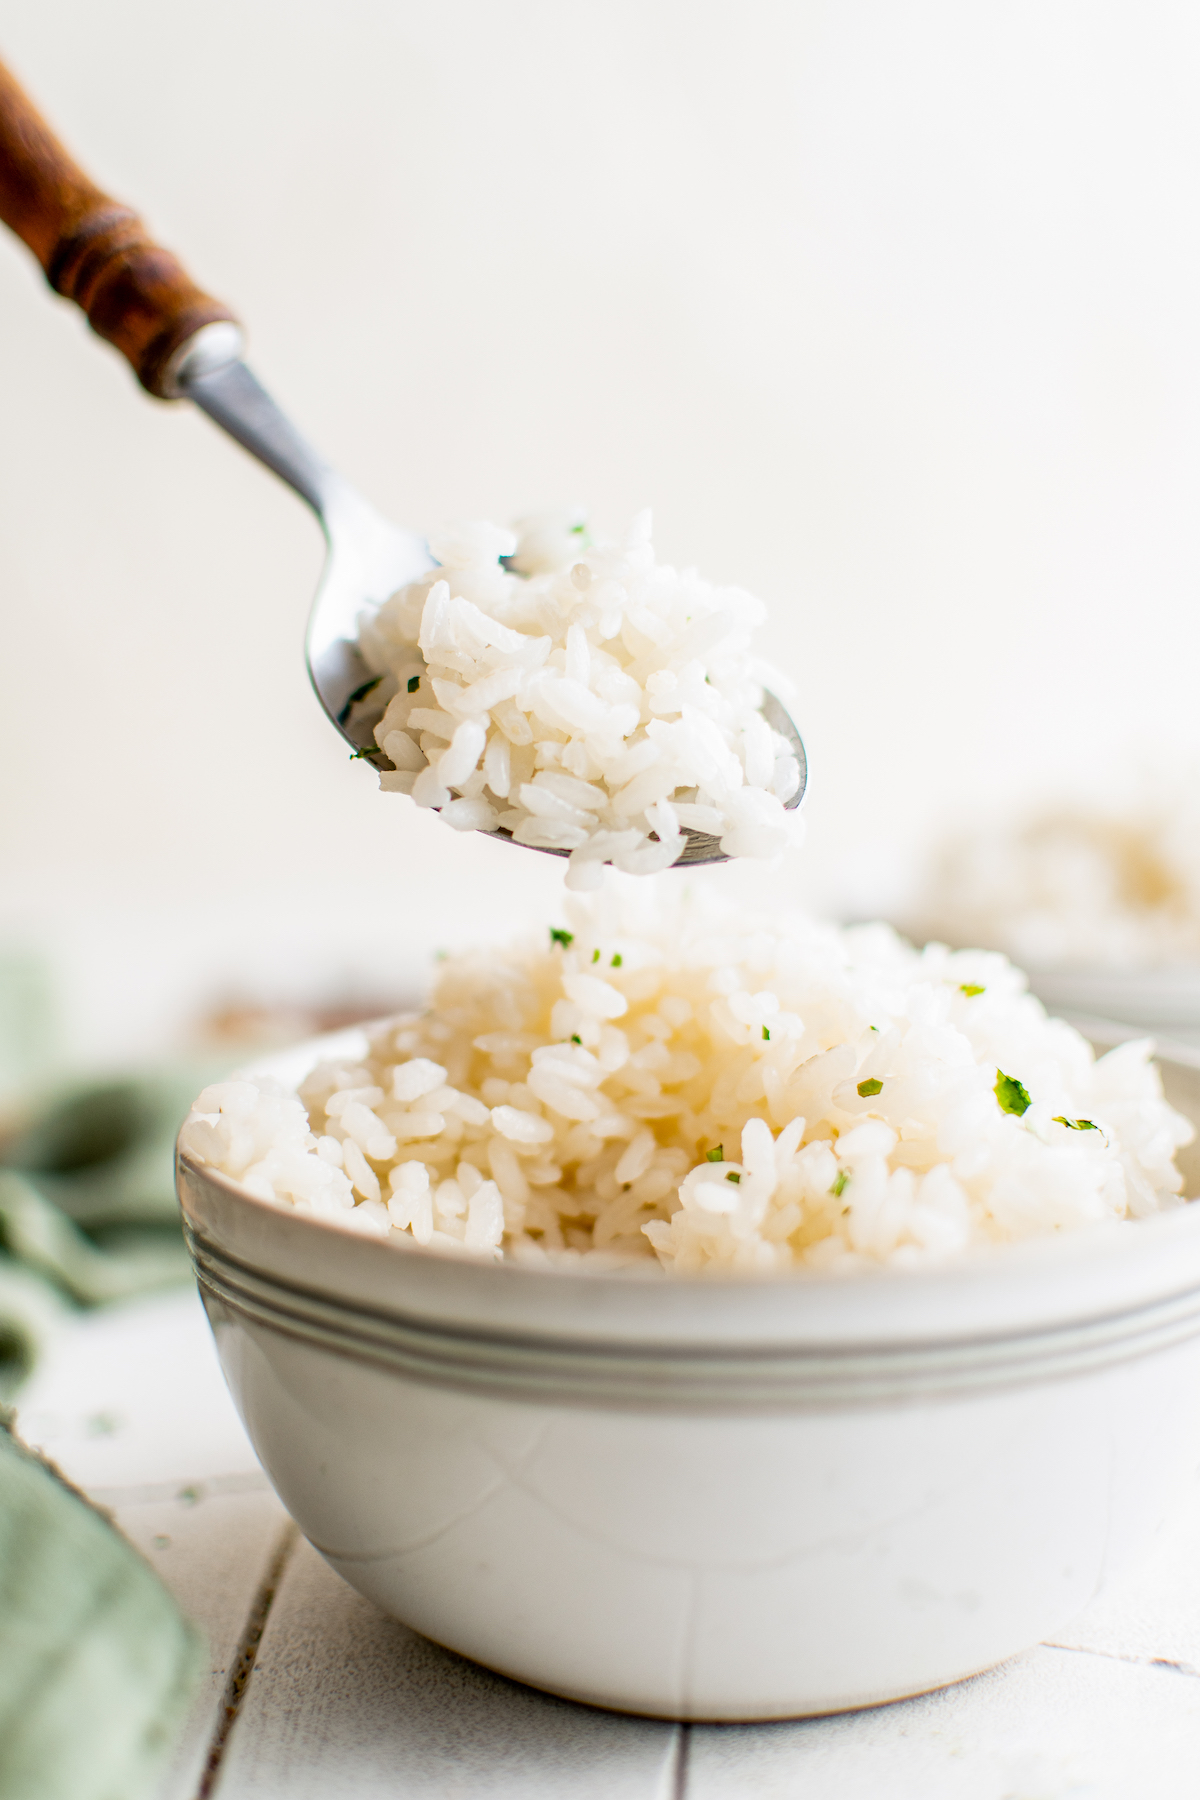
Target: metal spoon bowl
[366, 561]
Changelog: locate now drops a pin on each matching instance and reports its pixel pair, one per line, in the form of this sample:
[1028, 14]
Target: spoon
[183, 344]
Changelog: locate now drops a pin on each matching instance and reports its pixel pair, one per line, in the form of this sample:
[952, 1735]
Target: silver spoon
[184, 344]
[367, 558]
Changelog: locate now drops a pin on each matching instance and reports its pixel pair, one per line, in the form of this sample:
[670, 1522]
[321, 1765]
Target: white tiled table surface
[342, 1702]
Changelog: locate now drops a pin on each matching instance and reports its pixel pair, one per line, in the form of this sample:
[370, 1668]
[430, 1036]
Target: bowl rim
[995, 1290]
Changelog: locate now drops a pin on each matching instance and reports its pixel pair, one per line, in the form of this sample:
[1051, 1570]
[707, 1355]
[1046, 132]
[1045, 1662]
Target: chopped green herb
[578, 530]
[575, 1038]
[872, 1028]
[766, 1035]
[360, 693]
[367, 750]
[1076, 1124]
[867, 1088]
[839, 1185]
[617, 960]
[595, 956]
[565, 938]
[970, 989]
[1012, 1096]
[734, 1177]
[717, 1155]
[414, 682]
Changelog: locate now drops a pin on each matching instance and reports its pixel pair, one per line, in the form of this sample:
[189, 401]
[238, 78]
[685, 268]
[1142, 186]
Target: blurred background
[889, 312]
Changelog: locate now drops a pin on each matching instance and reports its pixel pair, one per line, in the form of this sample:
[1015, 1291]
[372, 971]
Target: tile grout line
[242, 1667]
[1139, 1662]
[679, 1774]
[207, 1487]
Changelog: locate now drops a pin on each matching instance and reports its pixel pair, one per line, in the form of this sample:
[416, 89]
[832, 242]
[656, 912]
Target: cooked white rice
[668, 1077]
[1077, 887]
[586, 699]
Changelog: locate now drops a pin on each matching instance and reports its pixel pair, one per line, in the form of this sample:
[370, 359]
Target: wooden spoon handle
[94, 250]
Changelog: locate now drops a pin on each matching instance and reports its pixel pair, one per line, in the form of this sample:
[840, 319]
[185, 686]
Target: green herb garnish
[1076, 1124]
[367, 750]
[867, 1088]
[717, 1155]
[970, 989]
[766, 1035]
[575, 1038]
[616, 962]
[839, 1186]
[360, 693]
[565, 938]
[734, 1177]
[1012, 1096]
[595, 956]
[414, 682]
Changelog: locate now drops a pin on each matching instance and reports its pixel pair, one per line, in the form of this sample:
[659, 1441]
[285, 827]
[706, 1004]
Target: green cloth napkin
[97, 1664]
[87, 1205]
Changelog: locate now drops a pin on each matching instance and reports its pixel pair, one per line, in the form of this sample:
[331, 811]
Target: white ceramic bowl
[1163, 1000]
[714, 1499]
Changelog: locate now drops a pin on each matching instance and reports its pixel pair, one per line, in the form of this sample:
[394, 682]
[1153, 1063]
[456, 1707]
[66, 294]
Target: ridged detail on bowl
[685, 1378]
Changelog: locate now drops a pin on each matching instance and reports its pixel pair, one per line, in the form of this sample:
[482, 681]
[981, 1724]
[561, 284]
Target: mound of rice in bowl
[583, 698]
[666, 1077]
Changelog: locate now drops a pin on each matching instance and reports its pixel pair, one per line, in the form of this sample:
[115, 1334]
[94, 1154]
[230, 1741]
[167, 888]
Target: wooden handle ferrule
[95, 251]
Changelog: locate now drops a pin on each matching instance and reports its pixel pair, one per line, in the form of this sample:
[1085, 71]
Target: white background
[889, 311]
